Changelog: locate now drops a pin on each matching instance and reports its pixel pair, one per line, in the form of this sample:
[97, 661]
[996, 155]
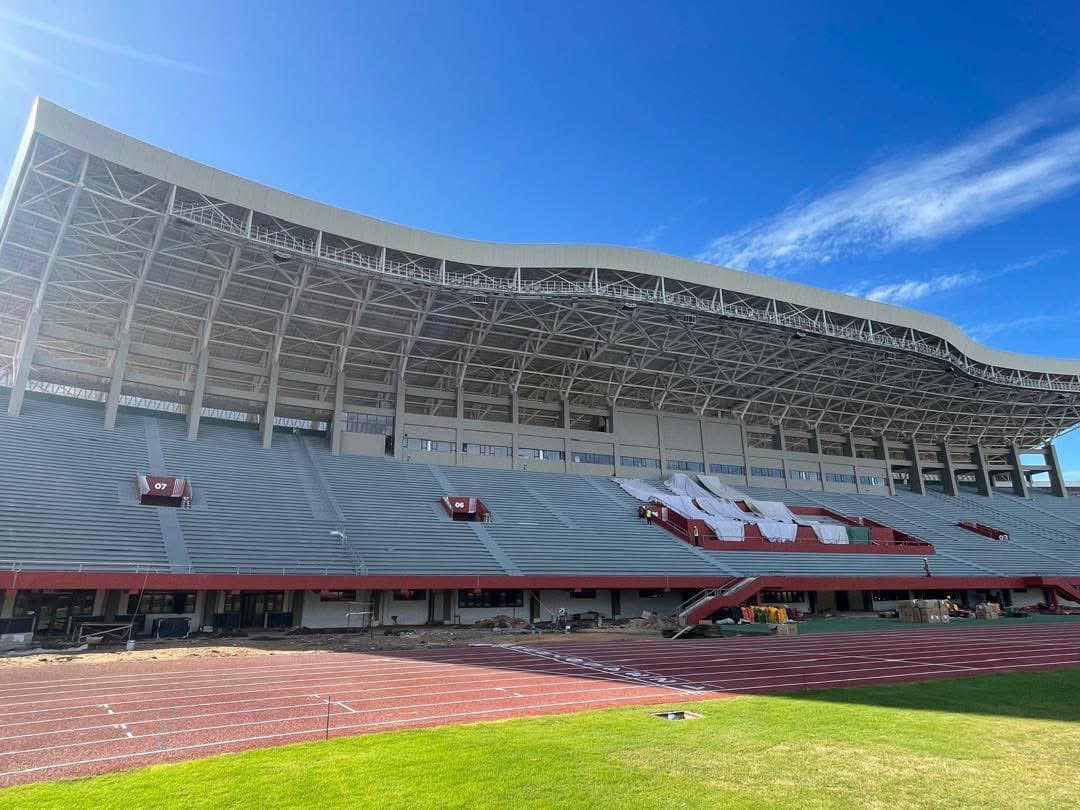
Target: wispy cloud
[982, 331]
[904, 292]
[33, 59]
[1013, 164]
[109, 47]
[650, 236]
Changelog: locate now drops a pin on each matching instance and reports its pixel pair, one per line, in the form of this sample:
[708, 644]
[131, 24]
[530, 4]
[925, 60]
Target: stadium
[228, 407]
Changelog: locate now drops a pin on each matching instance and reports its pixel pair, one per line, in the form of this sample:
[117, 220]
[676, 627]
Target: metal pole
[328, 702]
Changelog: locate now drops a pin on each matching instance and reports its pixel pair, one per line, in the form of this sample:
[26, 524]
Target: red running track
[82, 719]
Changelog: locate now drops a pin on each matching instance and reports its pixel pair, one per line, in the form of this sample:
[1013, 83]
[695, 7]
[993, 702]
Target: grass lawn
[1006, 740]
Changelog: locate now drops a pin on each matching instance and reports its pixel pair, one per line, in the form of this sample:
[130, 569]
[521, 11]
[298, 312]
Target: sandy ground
[272, 643]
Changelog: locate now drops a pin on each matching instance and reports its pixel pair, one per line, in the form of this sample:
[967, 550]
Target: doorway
[253, 606]
[55, 611]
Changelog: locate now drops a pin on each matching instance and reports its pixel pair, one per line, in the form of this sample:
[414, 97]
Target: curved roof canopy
[116, 255]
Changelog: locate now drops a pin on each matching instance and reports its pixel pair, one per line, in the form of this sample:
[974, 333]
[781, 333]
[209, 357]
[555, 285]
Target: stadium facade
[321, 380]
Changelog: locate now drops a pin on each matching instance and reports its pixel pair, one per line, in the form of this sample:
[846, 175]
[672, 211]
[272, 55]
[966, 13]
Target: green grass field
[1005, 740]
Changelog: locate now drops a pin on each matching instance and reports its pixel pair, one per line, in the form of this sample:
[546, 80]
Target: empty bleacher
[67, 490]
[67, 500]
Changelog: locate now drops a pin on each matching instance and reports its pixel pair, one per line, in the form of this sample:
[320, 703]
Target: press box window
[429, 445]
[492, 450]
[727, 469]
[638, 461]
[840, 478]
[593, 458]
[687, 466]
[541, 454]
[766, 472]
[372, 423]
[872, 480]
[804, 475]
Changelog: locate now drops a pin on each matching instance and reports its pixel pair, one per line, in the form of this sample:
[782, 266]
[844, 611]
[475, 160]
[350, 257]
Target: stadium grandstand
[226, 404]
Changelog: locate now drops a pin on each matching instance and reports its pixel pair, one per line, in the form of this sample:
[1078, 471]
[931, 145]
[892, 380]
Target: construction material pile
[988, 610]
[924, 611]
[501, 623]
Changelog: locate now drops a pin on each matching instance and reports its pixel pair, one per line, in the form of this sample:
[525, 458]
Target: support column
[459, 426]
[1019, 480]
[338, 423]
[565, 421]
[660, 442]
[779, 440]
[28, 345]
[948, 474]
[982, 471]
[850, 447]
[745, 451]
[916, 479]
[514, 461]
[194, 413]
[119, 367]
[1057, 476]
[116, 383]
[883, 444]
[613, 433]
[399, 418]
[815, 441]
[267, 426]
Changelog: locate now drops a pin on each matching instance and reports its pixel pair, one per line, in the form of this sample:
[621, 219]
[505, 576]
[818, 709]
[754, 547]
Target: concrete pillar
[614, 434]
[116, 384]
[28, 344]
[267, 426]
[459, 424]
[399, 418]
[779, 440]
[194, 413]
[1057, 475]
[948, 474]
[1019, 480]
[514, 425]
[883, 448]
[850, 448]
[745, 451]
[564, 422]
[815, 441]
[660, 441]
[916, 479]
[337, 425]
[982, 471]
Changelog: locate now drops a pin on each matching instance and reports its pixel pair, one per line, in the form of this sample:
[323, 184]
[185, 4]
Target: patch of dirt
[279, 643]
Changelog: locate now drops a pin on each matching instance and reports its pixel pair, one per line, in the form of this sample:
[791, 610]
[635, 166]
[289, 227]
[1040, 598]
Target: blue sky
[927, 155]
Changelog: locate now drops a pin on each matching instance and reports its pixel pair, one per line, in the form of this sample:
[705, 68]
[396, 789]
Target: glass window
[410, 596]
[593, 458]
[429, 445]
[872, 480]
[727, 469]
[583, 594]
[162, 602]
[369, 423]
[804, 475]
[541, 454]
[840, 478]
[337, 596]
[783, 596]
[688, 466]
[766, 472]
[493, 450]
[637, 461]
[490, 599]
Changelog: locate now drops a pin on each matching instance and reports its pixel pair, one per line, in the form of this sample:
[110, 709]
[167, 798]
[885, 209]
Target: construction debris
[501, 623]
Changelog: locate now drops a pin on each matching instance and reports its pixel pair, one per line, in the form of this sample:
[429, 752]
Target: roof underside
[187, 273]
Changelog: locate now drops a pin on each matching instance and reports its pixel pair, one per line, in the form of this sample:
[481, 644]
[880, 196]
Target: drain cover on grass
[679, 715]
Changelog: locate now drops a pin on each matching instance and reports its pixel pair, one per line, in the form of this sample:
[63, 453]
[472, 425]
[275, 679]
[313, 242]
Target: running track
[80, 719]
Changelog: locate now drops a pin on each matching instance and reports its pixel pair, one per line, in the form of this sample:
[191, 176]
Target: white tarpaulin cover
[831, 533]
[720, 489]
[776, 531]
[683, 484]
[773, 510]
[725, 529]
